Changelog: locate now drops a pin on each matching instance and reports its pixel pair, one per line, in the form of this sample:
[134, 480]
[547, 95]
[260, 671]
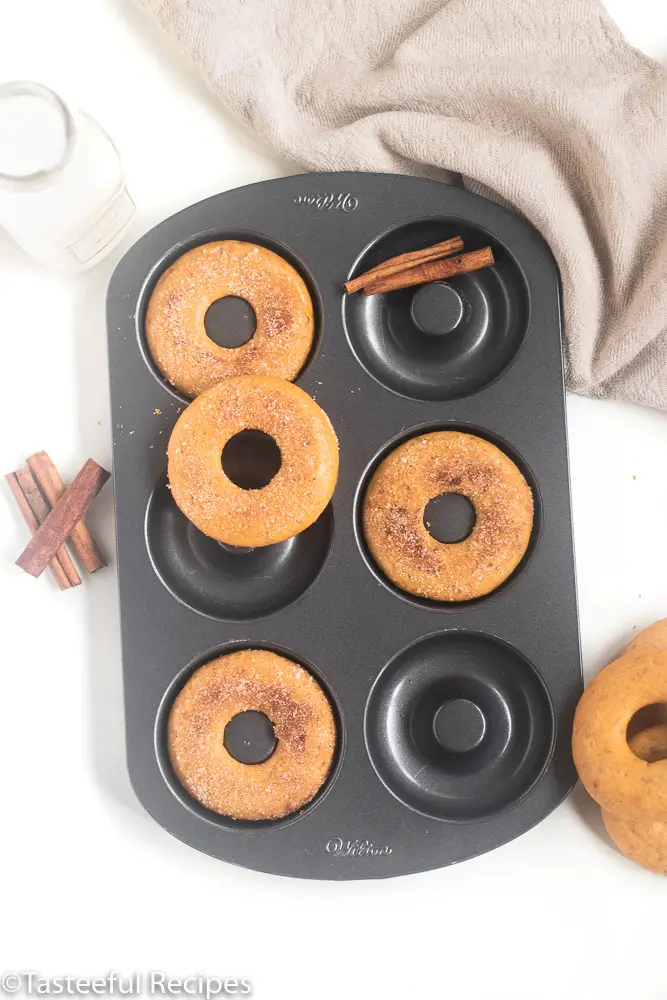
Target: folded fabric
[541, 106]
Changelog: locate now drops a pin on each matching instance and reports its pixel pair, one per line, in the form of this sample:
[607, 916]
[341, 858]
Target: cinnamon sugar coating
[299, 491]
[262, 681]
[175, 329]
[420, 470]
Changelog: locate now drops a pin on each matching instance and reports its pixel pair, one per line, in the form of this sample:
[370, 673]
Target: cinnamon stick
[432, 271]
[57, 570]
[41, 510]
[405, 260]
[52, 486]
[65, 515]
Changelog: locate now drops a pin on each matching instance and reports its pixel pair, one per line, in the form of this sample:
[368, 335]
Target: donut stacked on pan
[619, 745]
[295, 496]
[241, 388]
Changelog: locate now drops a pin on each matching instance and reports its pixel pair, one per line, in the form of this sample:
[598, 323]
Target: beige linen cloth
[538, 104]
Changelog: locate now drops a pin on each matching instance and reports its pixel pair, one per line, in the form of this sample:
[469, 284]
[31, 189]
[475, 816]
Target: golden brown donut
[650, 639]
[299, 491]
[650, 741]
[643, 843]
[175, 330]
[613, 775]
[423, 468]
[261, 681]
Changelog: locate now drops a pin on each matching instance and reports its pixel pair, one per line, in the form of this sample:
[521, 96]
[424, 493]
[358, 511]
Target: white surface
[89, 881]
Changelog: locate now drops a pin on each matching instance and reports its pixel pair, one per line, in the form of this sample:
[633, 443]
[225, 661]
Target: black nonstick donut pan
[454, 720]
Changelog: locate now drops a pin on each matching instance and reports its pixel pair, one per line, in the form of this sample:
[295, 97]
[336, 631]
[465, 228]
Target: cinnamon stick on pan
[405, 260]
[64, 579]
[432, 271]
[51, 484]
[59, 524]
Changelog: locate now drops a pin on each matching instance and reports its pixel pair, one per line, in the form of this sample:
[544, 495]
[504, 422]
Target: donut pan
[454, 720]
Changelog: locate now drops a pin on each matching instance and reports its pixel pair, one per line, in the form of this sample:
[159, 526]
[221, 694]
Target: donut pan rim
[348, 626]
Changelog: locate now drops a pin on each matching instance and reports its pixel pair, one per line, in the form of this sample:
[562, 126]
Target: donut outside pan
[299, 491]
[262, 681]
[645, 843]
[622, 783]
[650, 741]
[420, 470]
[649, 640]
[175, 329]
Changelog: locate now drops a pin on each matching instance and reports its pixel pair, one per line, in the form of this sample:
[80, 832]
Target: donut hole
[449, 517]
[230, 321]
[647, 732]
[251, 459]
[250, 737]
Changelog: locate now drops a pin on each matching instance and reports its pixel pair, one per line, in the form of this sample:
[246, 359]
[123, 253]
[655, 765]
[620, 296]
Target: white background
[88, 881]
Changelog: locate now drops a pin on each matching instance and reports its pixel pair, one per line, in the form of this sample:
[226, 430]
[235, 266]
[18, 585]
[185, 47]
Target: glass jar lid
[37, 133]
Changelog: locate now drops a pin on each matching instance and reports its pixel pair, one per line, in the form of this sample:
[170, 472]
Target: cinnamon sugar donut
[175, 329]
[261, 681]
[620, 781]
[420, 470]
[299, 491]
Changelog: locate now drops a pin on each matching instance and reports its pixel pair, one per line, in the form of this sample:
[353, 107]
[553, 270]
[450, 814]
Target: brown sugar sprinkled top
[175, 328]
[262, 681]
[420, 470]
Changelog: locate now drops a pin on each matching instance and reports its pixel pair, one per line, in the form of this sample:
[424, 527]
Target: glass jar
[63, 197]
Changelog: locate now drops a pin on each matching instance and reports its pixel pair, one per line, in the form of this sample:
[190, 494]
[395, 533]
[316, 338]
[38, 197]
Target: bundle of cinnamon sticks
[419, 267]
[54, 514]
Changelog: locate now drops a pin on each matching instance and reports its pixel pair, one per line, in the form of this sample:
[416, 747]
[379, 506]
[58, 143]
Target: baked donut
[643, 843]
[175, 329]
[423, 468]
[650, 639]
[650, 740]
[611, 772]
[261, 681]
[299, 491]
